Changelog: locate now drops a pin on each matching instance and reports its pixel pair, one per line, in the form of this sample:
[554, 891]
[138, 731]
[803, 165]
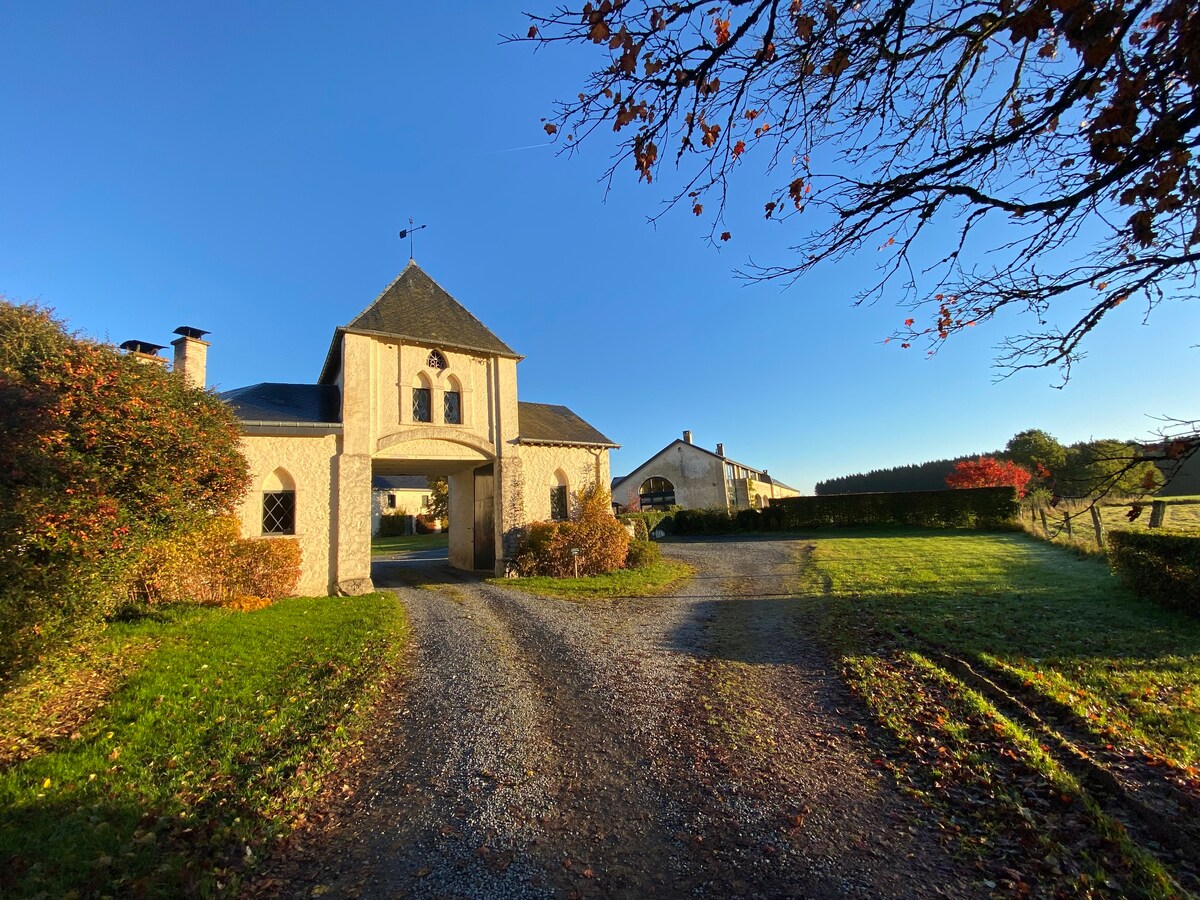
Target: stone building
[687, 475]
[406, 495]
[413, 385]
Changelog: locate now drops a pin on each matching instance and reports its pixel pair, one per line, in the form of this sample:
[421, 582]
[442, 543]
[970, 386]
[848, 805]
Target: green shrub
[643, 554]
[1164, 568]
[395, 525]
[640, 531]
[704, 521]
[992, 507]
[652, 520]
[602, 541]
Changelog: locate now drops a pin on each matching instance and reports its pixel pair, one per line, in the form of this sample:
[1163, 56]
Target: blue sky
[245, 168]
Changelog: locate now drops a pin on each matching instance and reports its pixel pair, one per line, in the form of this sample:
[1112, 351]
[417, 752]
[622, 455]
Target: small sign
[575, 551]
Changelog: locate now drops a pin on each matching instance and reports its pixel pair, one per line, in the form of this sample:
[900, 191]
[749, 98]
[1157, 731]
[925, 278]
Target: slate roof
[416, 308]
[400, 482]
[274, 402]
[543, 423]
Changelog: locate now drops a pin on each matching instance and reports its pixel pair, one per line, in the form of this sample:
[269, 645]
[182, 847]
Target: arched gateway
[414, 385]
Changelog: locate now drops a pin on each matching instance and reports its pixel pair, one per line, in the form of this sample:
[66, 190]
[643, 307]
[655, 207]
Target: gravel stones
[695, 744]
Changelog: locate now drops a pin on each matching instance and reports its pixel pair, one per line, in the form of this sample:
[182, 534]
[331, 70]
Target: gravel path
[696, 744]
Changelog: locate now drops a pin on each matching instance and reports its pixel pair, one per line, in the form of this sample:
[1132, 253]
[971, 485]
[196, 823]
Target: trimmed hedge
[1164, 568]
[396, 525]
[650, 521]
[993, 507]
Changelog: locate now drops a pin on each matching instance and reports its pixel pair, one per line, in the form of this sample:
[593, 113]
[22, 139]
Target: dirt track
[693, 744]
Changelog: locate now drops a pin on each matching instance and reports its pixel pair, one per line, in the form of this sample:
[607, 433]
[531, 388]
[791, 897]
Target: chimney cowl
[687, 435]
[721, 450]
[191, 355]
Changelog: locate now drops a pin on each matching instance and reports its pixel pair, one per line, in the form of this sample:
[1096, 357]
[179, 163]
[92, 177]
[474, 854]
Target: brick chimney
[687, 436]
[144, 352]
[191, 355]
[721, 450]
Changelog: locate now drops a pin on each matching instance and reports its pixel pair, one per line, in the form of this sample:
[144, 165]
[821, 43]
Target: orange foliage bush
[602, 541]
[216, 566]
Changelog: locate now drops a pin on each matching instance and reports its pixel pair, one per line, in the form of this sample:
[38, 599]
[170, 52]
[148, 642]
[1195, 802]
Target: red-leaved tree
[988, 472]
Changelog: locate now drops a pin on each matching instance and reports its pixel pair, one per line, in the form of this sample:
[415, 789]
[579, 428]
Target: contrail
[509, 150]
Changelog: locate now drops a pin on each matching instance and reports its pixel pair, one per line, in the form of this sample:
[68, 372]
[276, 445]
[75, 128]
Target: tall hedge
[99, 455]
[990, 507]
[1162, 567]
[995, 507]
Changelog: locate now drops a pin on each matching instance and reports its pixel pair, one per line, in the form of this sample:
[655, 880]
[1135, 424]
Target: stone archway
[469, 466]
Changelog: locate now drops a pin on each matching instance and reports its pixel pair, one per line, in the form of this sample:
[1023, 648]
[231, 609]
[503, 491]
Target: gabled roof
[416, 308]
[543, 423]
[763, 476]
[286, 403]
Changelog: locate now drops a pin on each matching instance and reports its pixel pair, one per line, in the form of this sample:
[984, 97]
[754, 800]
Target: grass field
[202, 734]
[938, 630]
[649, 581]
[404, 542]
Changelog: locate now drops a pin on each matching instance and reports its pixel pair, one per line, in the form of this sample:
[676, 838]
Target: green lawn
[901, 606]
[208, 732]
[650, 581]
[404, 542]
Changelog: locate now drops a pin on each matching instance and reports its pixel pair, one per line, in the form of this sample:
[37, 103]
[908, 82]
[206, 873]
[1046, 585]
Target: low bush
[1164, 568]
[601, 541]
[643, 554]
[395, 525]
[215, 566]
[640, 532]
[704, 521]
[652, 520]
[430, 525]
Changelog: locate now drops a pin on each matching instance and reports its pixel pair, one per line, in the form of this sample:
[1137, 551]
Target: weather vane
[408, 233]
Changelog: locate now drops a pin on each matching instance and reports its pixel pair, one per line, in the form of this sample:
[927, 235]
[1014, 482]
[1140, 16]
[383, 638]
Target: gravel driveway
[696, 744]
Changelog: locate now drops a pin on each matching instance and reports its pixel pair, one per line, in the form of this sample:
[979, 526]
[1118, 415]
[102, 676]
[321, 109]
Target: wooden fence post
[1158, 513]
[1098, 525]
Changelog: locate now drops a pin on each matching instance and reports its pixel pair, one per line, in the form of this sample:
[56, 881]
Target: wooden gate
[485, 518]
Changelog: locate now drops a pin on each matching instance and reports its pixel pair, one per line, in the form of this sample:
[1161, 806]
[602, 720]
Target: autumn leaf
[550, 128]
[725, 235]
[721, 28]
[698, 208]
[532, 31]
[909, 322]
[739, 148]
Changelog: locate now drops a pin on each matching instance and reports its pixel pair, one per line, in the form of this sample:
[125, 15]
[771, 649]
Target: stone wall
[308, 461]
[580, 466]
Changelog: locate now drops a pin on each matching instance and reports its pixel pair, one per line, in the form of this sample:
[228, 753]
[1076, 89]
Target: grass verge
[401, 543]
[649, 581]
[912, 613]
[210, 741]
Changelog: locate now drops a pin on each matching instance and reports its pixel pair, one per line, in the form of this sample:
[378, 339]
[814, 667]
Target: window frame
[426, 394]
[286, 520]
[560, 507]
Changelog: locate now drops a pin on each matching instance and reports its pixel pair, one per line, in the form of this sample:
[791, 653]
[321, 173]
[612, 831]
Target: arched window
[436, 360]
[559, 508]
[422, 405]
[656, 493]
[279, 503]
[452, 411]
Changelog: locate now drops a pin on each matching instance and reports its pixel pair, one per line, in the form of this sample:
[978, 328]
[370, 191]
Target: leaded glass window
[656, 493]
[279, 512]
[421, 405]
[453, 410]
[558, 503]
[436, 360]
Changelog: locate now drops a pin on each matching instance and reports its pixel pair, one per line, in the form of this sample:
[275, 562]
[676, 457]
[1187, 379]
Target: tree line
[1082, 469]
